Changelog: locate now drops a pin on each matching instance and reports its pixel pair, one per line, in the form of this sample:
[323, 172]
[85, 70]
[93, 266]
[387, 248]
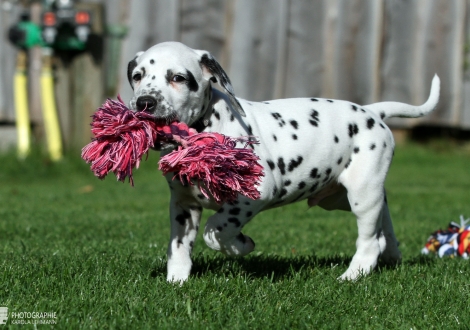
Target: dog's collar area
[201, 124]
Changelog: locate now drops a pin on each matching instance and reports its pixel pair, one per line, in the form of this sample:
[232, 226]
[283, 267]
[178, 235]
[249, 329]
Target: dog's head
[173, 82]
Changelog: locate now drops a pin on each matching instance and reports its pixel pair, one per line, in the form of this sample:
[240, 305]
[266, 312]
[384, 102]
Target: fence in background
[360, 50]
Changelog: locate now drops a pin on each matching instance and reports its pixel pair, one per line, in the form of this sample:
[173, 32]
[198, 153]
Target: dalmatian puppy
[331, 153]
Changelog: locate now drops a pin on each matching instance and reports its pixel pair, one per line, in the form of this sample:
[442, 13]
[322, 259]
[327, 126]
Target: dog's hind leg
[223, 230]
[390, 253]
[364, 181]
[185, 220]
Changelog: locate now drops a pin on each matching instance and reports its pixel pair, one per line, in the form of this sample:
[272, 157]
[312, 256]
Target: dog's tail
[397, 109]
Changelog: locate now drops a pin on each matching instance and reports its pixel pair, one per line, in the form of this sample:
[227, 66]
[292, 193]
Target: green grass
[94, 252]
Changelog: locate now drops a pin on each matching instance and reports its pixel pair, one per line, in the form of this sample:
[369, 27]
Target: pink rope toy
[123, 136]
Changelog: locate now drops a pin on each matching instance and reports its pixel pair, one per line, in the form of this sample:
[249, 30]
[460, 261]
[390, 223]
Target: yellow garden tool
[51, 120]
[23, 128]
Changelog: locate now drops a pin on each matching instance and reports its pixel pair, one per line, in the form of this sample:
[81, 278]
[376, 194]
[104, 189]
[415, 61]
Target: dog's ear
[131, 66]
[214, 72]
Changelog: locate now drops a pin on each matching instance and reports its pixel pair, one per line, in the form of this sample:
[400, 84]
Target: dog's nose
[146, 103]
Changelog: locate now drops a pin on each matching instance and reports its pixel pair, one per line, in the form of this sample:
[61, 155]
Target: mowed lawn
[94, 252]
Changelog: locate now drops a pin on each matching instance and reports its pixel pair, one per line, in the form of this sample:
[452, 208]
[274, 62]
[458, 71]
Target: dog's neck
[206, 111]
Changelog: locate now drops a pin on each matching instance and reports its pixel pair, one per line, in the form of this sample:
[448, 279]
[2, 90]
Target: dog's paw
[239, 246]
[352, 275]
[178, 270]
[361, 265]
[176, 279]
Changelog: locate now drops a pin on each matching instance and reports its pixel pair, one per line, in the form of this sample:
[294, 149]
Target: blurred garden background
[95, 251]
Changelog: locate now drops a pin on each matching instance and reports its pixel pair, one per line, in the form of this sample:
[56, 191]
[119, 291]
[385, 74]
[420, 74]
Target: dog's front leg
[185, 218]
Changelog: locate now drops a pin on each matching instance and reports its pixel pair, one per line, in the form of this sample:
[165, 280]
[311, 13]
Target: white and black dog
[334, 154]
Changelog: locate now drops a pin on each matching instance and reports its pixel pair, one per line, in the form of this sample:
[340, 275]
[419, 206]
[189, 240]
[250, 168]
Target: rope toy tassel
[210, 160]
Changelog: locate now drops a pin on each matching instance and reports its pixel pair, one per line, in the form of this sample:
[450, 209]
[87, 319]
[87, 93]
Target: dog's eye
[137, 77]
[178, 78]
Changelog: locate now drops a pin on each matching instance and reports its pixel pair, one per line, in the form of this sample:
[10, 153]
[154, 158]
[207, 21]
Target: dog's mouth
[154, 104]
[159, 146]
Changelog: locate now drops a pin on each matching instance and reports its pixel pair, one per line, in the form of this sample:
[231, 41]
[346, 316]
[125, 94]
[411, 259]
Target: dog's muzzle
[146, 103]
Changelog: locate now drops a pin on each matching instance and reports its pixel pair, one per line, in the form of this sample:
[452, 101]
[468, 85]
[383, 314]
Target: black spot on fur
[235, 221]
[234, 211]
[192, 83]
[153, 78]
[370, 123]
[295, 163]
[331, 101]
[314, 100]
[356, 150]
[340, 160]
[271, 164]
[336, 139]
[152, 61]
[130, 68]
[276, 115]
[274, 137]
[241, 238]
[354, 107]
[294, 137]
[281, 165]
[328, 171]
[181, 218]
[301, 185]
[266, 102]
[221, 210]
[219, 228]
[314, 187]
[314, 120]
[168, 76]
[250, 130]
[201, 196]
[247, 203]
[382, 125]
[314, 173]
[217, 114]
[283, 192]
[232, 118]
[249, 214]
[385, 145]
[353, 130]
[382, 115]
[348, 163]
[274, 191]
[287, 183]
[372, 146]
[294, 124]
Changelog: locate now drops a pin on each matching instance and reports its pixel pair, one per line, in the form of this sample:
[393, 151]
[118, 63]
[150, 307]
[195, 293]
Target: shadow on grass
[276, 267]
[423, 260]
[265, 266]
